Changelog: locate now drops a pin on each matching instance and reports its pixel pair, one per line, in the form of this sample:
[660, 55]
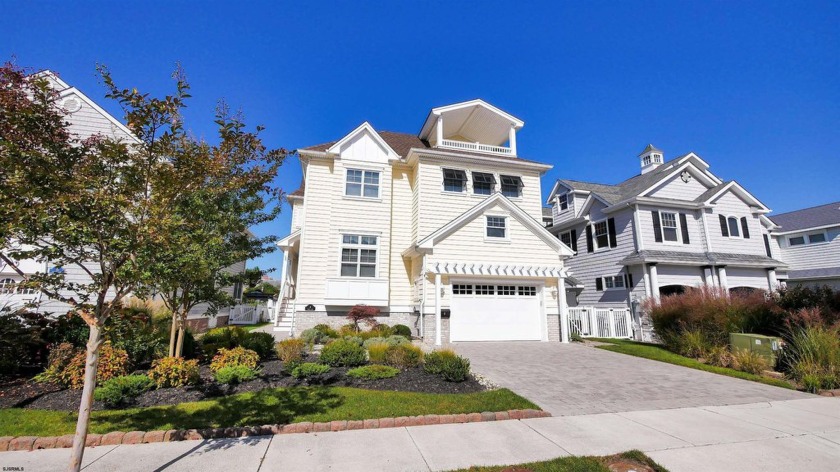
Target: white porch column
[564, 311]
[724, 285]
[438, 323]
[708, 276]
[512, 139]
[654, 282]
[439, 131]
[772, 280]
[645, 273]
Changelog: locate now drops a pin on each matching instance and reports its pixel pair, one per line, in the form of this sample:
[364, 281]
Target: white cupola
[651, 158]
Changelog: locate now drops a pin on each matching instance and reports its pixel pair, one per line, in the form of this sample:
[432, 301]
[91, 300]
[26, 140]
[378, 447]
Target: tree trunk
[91, 364]
[173, 329]
[179, 351]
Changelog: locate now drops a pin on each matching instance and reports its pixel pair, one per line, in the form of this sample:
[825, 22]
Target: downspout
[423, 301]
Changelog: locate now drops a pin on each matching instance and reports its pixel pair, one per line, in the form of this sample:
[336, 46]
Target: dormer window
[563, 202]
[511, 186]
[454, 180]
[657, 158]
[483, 184]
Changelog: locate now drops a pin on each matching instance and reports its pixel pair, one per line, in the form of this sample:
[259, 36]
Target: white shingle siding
[746, 277]
[689, 276]
[811, 256]
[676, 189]
[694, 222]
[730, 205]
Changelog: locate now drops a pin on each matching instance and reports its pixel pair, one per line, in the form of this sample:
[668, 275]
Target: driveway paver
[573, 379]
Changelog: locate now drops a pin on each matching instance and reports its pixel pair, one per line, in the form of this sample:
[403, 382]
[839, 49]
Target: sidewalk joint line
[546, 438]
[103, 455]
[418, 448]
[262, 459]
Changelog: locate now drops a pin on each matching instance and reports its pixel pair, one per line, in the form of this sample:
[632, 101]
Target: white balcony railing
[350, 291]
[465, 146]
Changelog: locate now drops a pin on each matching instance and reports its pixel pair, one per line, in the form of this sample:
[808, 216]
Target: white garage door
[495, 312]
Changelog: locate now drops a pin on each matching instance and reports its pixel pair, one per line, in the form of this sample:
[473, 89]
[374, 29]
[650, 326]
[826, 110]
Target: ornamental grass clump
[749, 361]
[377, 351]
[238, 356]
[813, 357]
[403, 356]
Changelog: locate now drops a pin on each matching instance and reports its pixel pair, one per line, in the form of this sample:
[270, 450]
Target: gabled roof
[814, 217]
[364, 128]
[649, 148]
[525, 219]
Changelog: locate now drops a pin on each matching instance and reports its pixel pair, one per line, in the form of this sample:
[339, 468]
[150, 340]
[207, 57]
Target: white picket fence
[247, 314]
[594, 322]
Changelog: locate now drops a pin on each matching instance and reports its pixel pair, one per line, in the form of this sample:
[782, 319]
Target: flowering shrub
[238, 356]
[174, 372]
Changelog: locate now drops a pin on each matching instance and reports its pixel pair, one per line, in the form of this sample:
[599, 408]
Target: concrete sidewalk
[783, 435]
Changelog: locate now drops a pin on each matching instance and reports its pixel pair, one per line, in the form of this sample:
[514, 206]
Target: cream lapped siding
[727, 205]
[329, 213]
[401, 276]
[297, 213]
[437, 208]
[88, 121]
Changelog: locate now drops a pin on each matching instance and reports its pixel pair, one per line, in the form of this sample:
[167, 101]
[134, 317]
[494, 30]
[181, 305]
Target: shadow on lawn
[270, 406]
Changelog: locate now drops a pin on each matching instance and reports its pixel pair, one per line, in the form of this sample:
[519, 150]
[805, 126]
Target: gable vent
[71, 104]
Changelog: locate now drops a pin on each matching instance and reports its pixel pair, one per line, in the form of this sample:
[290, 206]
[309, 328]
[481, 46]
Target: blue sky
[752, 87]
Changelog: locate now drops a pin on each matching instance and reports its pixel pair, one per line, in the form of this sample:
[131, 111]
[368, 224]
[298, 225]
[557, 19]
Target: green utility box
[768, 347]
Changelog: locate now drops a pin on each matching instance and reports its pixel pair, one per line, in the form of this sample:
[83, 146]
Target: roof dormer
[651, 158]
[472, 126]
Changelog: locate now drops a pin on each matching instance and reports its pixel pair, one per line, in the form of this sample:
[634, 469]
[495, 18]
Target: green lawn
[256, 326]
[269, 406]
[577, 464]
[659, 353]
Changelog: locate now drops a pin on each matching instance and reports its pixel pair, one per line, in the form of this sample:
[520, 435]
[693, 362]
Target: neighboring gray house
[674, 225]
[808, 241]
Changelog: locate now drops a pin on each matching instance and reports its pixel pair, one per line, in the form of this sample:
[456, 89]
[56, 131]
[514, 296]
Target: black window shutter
[589, 247]
[745, 227]
[574, 240]
[611, 229]
[657, 227]
[767, 245]
[684, 226]
[629, 279]
[599, 284]
[724, 230]
[626, 281]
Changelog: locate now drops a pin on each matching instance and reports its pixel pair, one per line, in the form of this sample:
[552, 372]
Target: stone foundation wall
[308, 319]
[430, 330]
[553, 327]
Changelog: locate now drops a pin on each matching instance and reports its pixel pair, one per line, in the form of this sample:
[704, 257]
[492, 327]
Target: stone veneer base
[30, 443]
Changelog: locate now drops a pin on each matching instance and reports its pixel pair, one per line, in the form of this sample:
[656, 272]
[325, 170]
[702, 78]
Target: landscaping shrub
[69, 328]
[354, 339]
[381, 330]
[290, 350]
[455, 369]
[812, 357]
[824, 299]
[343, 353]
[228, 337]
[22, 341]
[348, 330]
[692, 343]
[312, 336]
[363, 314]
[121, 390]
[433, 361]
[749, 361]
[393, 340]
[174, 372]
[67, 365]
[403, 356]
[58, 360]
[719, 356]
[309, 369]
[373, 372]
[326, 330]
[376, 352]
[238, 356]
[234, 374]
[402, 330]
[261, 343]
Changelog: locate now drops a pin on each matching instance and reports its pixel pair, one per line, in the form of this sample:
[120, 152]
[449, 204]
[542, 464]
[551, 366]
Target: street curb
[32, 443]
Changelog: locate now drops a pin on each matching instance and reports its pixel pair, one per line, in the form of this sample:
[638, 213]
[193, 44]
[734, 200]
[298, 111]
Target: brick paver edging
[31, 443]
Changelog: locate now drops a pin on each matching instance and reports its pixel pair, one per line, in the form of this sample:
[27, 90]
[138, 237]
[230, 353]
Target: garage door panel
[495, 318]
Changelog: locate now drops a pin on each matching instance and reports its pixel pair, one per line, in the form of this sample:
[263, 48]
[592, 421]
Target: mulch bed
[24, 393]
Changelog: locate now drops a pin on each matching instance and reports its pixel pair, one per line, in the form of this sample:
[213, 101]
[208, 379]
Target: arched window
[7, 285]
[734, 229]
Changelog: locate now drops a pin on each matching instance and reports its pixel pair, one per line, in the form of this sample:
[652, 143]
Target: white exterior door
[495, 312]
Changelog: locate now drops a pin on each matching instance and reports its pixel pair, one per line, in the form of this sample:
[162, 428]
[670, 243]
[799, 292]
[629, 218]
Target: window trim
[677, 227]
[493, 184]
[363, 184]
[613, 278]
[595, 245]
[569, 232]
[737, 219]
[806, 238]
[518, 189]
[504, 218]
[560, 208]
[342, 245]
[464, 190]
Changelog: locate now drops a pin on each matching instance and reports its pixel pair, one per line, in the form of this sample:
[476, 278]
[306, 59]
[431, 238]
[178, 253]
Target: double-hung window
[362, 183]
[454, 180]
[496, 227]
[670, 230]
[511, 185]
[566, 238]
[563, 202]
[601, 235]
[358, 255]
[614, 282]
[483, 184]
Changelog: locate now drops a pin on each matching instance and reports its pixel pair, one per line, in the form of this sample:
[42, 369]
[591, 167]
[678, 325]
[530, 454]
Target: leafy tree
[253, 276]
[121, 211]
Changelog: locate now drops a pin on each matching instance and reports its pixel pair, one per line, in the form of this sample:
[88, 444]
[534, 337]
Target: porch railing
[594, 322]
[476, 147]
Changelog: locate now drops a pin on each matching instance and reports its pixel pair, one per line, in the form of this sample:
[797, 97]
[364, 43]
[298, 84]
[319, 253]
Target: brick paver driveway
[572, 379]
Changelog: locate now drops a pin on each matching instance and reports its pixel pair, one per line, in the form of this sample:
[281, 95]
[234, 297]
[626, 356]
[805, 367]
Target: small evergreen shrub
[354, 339]
[238, 356]
[312, 336]
[227, 337]
[234, 374]
[373, 372]
[393, 340]
[261, 343]
[433, 361]
[174, 372]
[376, 352]
[403, 356]
[343, 353]
[455, 369]
[326, 330]
[348, 330]
[121, 390]
[402, 330]
[749, 361]
[309, 370]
